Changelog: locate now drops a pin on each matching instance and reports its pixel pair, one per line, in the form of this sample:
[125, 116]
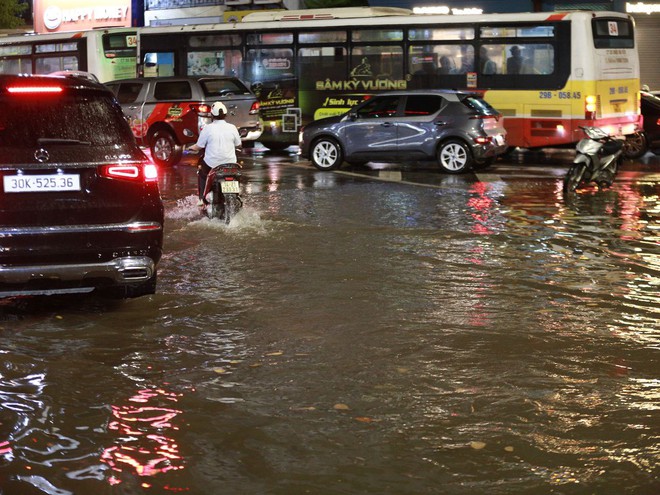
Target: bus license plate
[41, 183]
[230, 187]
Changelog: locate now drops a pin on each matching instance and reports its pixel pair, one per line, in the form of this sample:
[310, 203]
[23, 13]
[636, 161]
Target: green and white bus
[107, 53]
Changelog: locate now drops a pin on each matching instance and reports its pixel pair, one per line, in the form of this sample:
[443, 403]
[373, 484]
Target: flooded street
[370, 331]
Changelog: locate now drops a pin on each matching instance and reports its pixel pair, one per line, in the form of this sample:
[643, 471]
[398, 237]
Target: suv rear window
[481, 106]
[82, 117]
[223, 87]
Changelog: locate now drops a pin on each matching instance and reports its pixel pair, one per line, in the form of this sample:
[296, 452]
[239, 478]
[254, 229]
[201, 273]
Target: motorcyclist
[219, 140]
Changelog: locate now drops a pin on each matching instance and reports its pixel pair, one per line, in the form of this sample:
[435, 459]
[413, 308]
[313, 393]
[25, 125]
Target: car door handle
[387, 124]
[440, 123]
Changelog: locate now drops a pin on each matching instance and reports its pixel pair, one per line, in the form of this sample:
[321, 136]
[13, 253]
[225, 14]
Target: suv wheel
[454, 157]
[635, 145]
[326, 154]
[164, 149]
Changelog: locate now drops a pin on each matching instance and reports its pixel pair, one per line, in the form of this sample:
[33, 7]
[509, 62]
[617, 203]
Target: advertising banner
[51, 16]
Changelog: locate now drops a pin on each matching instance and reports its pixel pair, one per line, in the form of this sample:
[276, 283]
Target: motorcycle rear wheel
[232, 205]
[214, 209]
[573, 178]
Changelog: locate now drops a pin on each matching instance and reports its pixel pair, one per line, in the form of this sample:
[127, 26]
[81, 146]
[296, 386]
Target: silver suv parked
[166, 113]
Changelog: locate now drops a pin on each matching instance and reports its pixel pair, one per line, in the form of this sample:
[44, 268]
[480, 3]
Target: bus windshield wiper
[43, 141]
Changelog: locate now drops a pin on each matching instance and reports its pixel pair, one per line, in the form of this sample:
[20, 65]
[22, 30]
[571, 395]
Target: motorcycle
[222, 192]
[597, 160]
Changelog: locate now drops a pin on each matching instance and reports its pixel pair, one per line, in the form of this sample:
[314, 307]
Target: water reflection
[145, 446]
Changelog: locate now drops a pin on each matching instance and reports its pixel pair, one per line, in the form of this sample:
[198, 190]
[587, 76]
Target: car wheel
[635, 145]
[454, 157]
[164, 149]
[326, 154]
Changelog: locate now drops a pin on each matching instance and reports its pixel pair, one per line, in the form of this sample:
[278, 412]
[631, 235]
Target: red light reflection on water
[481, 205]
[144, 447]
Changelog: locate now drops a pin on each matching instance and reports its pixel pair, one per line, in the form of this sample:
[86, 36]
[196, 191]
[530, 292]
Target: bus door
[159, 64]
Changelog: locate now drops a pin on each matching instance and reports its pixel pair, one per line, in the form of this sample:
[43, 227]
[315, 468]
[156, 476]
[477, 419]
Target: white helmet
[218, 109]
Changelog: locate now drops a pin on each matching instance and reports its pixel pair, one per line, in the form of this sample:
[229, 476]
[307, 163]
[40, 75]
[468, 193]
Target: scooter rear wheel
[232, 205]
[214, 209]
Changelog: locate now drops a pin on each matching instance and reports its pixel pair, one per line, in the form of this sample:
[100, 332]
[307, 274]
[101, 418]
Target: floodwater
[416, 334]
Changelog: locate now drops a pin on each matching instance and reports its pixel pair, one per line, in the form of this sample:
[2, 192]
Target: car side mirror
[352, 116]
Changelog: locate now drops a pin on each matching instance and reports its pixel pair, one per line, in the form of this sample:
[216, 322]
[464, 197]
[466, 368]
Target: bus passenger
[487, 65]
[514, 63]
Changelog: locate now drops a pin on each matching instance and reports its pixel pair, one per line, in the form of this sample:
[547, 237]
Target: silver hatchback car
[458, 129]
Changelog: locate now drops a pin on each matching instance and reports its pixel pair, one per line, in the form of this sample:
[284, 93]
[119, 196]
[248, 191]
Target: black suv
[80, 208]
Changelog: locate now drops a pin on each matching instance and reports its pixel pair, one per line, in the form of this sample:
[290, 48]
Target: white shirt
[219, 140]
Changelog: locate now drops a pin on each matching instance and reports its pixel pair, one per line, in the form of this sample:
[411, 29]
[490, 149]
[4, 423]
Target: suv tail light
[255, 108]
[23, 90]
[202, 109]
[145, 172]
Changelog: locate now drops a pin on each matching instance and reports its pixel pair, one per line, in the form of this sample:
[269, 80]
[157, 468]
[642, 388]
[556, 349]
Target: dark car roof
[70, 81]
[173, 78]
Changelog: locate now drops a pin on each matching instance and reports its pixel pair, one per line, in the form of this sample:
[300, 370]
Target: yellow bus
[547, 73]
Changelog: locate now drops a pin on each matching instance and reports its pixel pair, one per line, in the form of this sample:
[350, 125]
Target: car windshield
[480, 105]
[78, 120]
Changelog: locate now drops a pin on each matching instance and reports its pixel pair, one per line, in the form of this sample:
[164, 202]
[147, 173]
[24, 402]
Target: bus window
[46, 65]
[377, 35]
[10, 50]
[432, 34]
[268, 64]
[216, 63]
[323, 37]
[491, 58]
[517, 32]
[377, 62]
[275, 38]
[56, 47]
[159, 64]
[216, 40]
[613, 33]
[119, 45]
[327, 63]
[16, 66]
[530, 59]
[441, 59]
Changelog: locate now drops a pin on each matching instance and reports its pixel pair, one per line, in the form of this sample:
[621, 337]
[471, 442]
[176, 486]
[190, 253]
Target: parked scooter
[222, 192]
[597, 160]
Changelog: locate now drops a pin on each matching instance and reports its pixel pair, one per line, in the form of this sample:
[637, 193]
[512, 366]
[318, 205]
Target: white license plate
[230, 187]
[41, 183]
[499, 139]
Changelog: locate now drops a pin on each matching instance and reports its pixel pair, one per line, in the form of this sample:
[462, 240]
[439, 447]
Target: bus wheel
[326, 154]
[454, 157]
[164, 149]
[635, 146]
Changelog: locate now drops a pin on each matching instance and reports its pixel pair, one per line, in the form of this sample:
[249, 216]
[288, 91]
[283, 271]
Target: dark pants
[202, 173]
